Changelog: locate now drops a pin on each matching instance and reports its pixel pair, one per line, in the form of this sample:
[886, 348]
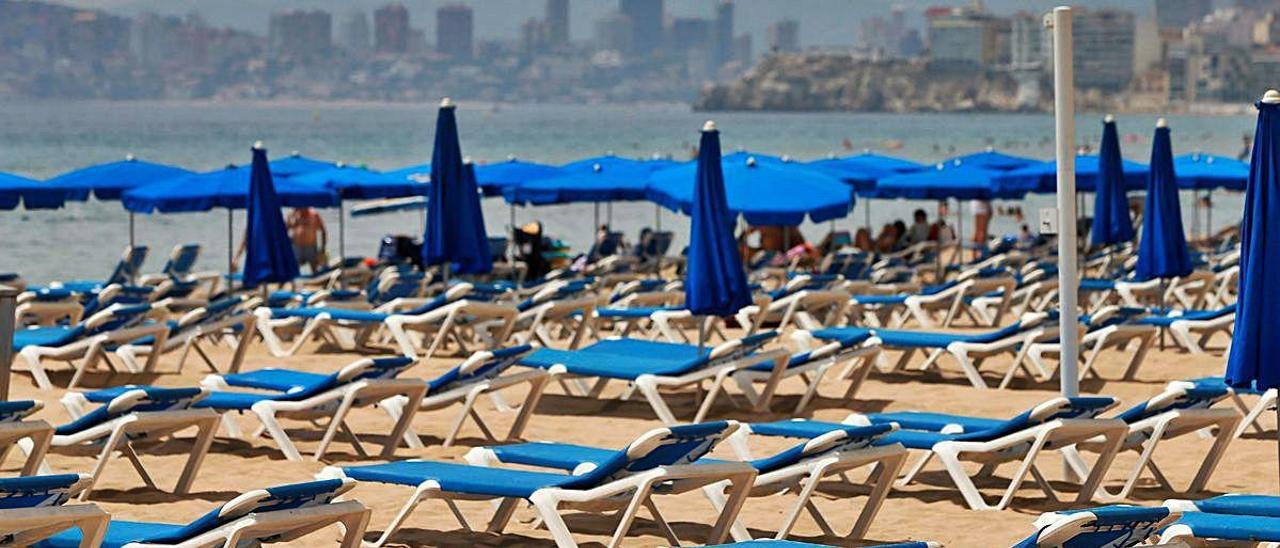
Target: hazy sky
[822, 22]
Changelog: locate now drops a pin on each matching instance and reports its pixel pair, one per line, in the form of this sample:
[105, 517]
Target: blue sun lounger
[798, 469]
[275, 514]
[125, 271]
[15, 428]
[968, 349]
[1266, 399]
[1238, 518]
[1051, 426]
[34, 508]
[651, 365]
[1106, 526]
[301, 395]
[224, 319]
[658, 462]
[88, 341]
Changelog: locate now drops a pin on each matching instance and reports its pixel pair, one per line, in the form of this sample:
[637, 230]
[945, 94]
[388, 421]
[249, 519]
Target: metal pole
[342, 232]
[8, 305]
[657, 217]
[231, 251]
[595, 217]
[866, 218]
[1195, 213]
[608, 211]
[1064, 125]
[133, 272]
[959, 256]
[1208, 214]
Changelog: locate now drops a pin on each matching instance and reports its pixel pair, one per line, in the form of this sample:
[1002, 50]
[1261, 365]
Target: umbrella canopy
[32, 194]
[1042, 177]
[1207, 172]
[269, 254]
[1162, 251]
[600, 179]
[297, 164]
[863, 170]
[496, 177]
[765, 193]
[1111, 222]
[1255, 341]
[715, 283]
[948, 180]
[357, 183]
[109, 181]
[990, 159]
[420, 173]
[455, 227]
[223, 188]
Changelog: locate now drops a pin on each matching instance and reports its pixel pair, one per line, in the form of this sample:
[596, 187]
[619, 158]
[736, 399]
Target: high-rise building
[688, 33]
[1104, 48]
[557, 22]
[154, 39]
[391, 29]
[1175, 14]
[454, 26]
[646, 24]
[722, 50]
[967, 36]
[742, 51]
[354, 32]
[613, 32]
[300, 33]
[784, 36]
[1026, 41]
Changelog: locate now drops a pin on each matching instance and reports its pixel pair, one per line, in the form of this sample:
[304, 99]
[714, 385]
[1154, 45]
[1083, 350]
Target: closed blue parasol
[455, 235]
[1208, 172]
[1111, 222]
[1162, 251]
[716, 284]
[769, 192]
[109, 181]
[269, 254]
[32, 194]
[1255, 343]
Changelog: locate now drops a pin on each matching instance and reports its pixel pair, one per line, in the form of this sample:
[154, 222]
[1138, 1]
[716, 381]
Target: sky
[822, 22]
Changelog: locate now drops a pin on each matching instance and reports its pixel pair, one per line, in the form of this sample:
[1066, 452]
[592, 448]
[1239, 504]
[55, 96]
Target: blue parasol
[454, 235]
[769, 192]
[269, 254]
[715, 284]
[1111, 222]
[1162, 250]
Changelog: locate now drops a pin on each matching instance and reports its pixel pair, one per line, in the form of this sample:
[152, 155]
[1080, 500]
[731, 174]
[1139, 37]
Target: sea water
[43, 139]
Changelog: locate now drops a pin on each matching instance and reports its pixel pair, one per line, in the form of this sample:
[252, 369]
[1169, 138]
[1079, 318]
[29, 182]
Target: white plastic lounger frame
[1145, 435]
[860, 359]
[91, 349]
[446, 323]
[673, 325]
[467, 395]
[1022, 447]
[1095, 342]
[37, 434]
[567, 316]
[192, 332]
[1194, 335]
[952, 300]
[28, 526]
[1252, 413]
[120, 433]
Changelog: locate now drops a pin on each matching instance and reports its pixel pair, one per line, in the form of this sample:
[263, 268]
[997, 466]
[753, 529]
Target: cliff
[838, 82]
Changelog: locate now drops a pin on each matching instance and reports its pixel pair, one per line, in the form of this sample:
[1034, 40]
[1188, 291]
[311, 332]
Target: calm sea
[43, 139]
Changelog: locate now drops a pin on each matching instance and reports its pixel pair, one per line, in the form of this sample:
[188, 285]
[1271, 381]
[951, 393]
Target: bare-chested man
[310, 239]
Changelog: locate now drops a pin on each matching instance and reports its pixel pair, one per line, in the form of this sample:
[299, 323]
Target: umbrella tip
[466, 160]
[257, 145]
[1271, 97]
[597, 168]
[831, 155]
[339, 164]
[129, 157]
[786, 158]
[709, 125]
[1108, 118]
[751, 161]
[446, 103]
[511, 157]
[990, 148]
[1161, 122]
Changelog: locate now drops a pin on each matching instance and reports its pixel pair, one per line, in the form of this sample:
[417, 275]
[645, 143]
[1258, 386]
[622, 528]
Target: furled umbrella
[716, 284]
[454, 236]
[1162, 250]
[1255, 343]
[1111, 222]
[269, 256]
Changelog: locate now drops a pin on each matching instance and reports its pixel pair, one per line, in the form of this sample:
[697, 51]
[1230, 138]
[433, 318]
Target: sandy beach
[930, 509]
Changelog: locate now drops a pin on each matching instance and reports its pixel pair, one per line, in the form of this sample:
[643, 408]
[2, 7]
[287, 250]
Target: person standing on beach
[981, 222]
[309, 236]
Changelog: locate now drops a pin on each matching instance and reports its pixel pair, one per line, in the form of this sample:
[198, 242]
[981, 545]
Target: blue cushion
[933, 422]
[616, 366]
[45, 336]
[634, 313]
[282, 380]
[119, 533]
[1242, 505]
[460, 478]
[1232, 527]
[36, 491]
[342, 314]
[560, 456]
[157, 399]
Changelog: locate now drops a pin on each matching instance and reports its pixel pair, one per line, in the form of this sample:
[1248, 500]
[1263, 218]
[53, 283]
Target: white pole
[1064, 125]
[342, 231]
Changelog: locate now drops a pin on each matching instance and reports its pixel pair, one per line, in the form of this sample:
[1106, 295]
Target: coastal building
[613, 33]
[1026, 41]
[1104, 48]
[784, 36]
[391, 29]
[688, 33]
[557, 18]
[645, 17]
[154, 39]
[353, 34]
[723, 48]
[454, 31]
[966, 36]
[1176, 14]
[304, 34]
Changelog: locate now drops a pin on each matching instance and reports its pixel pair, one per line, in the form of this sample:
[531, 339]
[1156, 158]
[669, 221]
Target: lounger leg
[531, 401]
[113, 441]
[1264, 403]
[339, 415]
[31, 355]
[645, 384]
[882, 479]
[663, 526]
[549, 510]
[353, 528]
[132, 456]
[915, 469]
[267, 417]
[1144, 345]
[403, 515]
[395, 408]
[1226, 432]
[39, 447]
[970, 372]
[446, 329]
[502, 515]
[199, 449]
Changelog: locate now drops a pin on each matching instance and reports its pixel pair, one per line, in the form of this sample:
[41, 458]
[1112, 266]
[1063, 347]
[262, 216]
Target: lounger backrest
[359, 370]
[15, 411]
[669, 446]
[1054, 409]
[216, 311]
[115, 317]
[1105, 527]
[1175, 397]
[182, 260]
[283, 498]
[129, 266]
[117, 294]
[135, 400]
[40, 491]
[481, 366]
[736, 348]
[455, 292]
[390, 288]
[839, 439]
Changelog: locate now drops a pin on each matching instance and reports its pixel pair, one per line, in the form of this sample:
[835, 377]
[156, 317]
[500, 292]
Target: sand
[930, 509]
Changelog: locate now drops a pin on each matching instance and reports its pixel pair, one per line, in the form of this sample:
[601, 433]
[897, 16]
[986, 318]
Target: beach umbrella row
[764, 192]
